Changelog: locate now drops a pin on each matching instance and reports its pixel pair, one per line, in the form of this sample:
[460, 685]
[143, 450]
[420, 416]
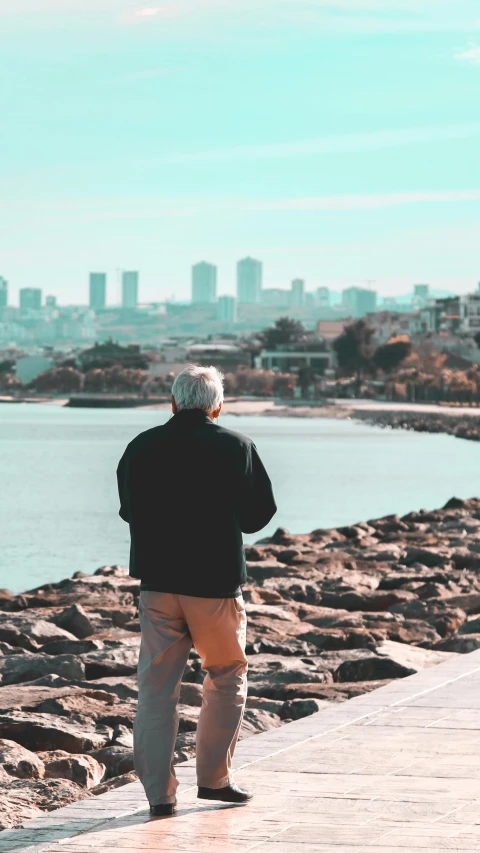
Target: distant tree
[58, 380]
[114, 380]
[10, 382]
[7, 365]
[354, 349]
[390, 355]
[230, 384]
[284, 331]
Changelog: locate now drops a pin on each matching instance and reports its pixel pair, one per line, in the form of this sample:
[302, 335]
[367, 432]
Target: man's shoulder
[230, 436]
[147, 437]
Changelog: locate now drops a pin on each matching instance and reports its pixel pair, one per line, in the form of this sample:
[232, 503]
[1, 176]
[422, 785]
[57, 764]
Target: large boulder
[20, 762]
[46, 732]
[75, 620]
[11, 634]
[296, 709]
[117, 759]
[257, 720]
[17, 668]
[72, 647]
[390, 660]
[122, 661]
[85, 770]
[459, 643]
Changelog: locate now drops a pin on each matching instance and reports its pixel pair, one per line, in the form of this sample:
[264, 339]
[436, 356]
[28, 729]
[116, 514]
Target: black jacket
[188, 489]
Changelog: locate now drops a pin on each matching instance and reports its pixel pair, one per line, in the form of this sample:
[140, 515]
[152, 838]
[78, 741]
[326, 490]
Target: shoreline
[457, 421]
[331, 614]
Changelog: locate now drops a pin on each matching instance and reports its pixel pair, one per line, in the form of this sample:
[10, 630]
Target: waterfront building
[30, 298]
[297, 293]
[129, 289]
[227, 309]
[204, 283]
[323, 297]
[98, 290]
[470, 313]
[249, 281]
[358, 301]
[50, 301]
[421, 293]
[442, 315]
[290, 358]
[3, 292]
[328, 330]
[226, 357]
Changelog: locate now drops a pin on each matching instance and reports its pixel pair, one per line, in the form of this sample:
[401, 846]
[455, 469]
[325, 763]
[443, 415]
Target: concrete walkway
[396, 769]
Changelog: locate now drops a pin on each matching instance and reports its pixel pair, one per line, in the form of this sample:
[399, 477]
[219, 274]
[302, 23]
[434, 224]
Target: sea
[58, 491]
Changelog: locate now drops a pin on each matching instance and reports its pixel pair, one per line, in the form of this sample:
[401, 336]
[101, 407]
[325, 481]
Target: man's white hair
[198, 388]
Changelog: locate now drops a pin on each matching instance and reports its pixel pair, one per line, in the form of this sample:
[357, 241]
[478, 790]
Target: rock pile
[332, 614]
[461, 426]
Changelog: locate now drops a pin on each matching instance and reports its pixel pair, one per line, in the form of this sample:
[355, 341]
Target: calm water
[58, 498]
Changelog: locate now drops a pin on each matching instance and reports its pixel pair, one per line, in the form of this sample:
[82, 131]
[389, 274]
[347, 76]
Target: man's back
[188, 489]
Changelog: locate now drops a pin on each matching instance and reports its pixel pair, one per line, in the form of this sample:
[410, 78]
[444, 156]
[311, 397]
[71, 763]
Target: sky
[335, 140]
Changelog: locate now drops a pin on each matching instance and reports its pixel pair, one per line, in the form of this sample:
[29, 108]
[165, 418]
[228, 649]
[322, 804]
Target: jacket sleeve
[256, 503]
[123, 479]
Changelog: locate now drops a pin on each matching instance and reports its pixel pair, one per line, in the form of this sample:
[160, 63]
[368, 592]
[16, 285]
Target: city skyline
[204, 289]
[333, 140]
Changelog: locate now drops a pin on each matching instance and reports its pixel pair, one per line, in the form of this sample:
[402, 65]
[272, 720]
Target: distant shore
[459, 421]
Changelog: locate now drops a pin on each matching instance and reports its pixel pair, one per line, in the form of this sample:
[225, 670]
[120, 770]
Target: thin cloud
[175, 207]
[471, 54]
[333, 144]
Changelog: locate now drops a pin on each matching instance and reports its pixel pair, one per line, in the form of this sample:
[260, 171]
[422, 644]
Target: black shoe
[230, 794]
[163, 809]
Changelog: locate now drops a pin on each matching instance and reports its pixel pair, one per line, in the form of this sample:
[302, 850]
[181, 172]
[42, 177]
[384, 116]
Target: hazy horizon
[333, 139]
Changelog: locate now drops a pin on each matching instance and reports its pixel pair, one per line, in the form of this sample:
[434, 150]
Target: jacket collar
[190, 418]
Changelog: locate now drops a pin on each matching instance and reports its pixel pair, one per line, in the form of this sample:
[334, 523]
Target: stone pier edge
[102, 811]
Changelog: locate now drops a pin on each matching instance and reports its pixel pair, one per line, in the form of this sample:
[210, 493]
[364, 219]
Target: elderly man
[188, 489]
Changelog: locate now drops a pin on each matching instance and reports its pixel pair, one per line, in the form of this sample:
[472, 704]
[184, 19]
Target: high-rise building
[297, 293]
[204, 283]
[420, 294]
[227, 309]
[358, 301]
[129, 289]
[323, 297]
[50, 301]
[30, 298]
[249, 281]
[98, 290]
[3, 292]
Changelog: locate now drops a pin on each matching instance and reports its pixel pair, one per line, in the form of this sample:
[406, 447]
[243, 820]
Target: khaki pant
[170, 625]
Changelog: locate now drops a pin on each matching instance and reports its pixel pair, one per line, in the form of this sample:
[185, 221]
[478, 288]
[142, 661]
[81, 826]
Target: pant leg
[218, 630]
[164, 651]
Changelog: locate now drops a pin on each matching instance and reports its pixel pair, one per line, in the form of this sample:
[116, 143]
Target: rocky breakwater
[332, 614]
[461, 426]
